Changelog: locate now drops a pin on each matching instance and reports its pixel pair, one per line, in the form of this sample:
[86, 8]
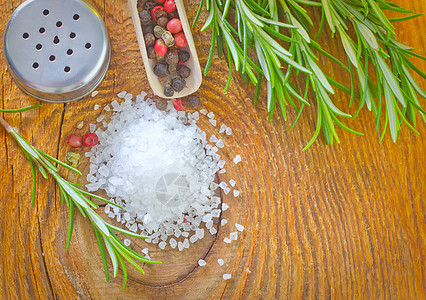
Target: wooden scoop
[193, 82]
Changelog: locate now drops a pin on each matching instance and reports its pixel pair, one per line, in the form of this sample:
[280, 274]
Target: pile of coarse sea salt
[161, 168]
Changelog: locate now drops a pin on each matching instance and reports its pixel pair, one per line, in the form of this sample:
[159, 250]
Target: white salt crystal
[222, 171]
[220, 144]
[127, 242]
[226, 276]
[226, 240]
[133, 228]
[239, 227]
[180, 246]
[111, 215]
[196, 116]
[96, 107]
[201, 263]
[185, 234]
[107, 108]
[228, 131]
[173, 243]
[193, 238]
[186, 243]
[94, 94]
[210, 115]
[213, 122]
[213, 231]
[122, 94]
[107, 209]
[227, 190]
[162, 245]
[220, 262]
[223, 222]
[200, 233]
[223, 128]
[145, 251]
[232, 182]
[233, 236]
[248, 271]
[213, 139]
[128, 97]
[148, 257]
[223, 185]
[236, 193]
[203, 111]
[100, 118]
[221, 163]
[209, 224]
[237, 159]
[92, 127]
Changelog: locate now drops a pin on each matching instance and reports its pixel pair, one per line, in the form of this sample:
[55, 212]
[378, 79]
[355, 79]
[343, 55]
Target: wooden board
[343, 221]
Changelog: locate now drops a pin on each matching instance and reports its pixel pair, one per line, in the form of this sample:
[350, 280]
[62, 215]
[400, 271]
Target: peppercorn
[183, 71]
[178, 84]
[145, 17]
[165, 81]
[172, 69]
[174, 25]
[160, 69]
[193, 101]
[149, 5]
[172, 57]
[183, 55]
[90, 139]
[161, 104]
[72, 159]
[75, 141]
[160, 47]
[180, 39]
[159, 57]
[150, 52]
[168, 92]
[149, 39]
[173, 14]
[169, 6]
[158, 31]
[168, 39]
[157, 12]
[163, 21]
[148, 29]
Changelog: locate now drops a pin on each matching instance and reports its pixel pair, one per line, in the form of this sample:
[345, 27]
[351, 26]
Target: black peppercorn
[183, 71]
[145, 17]
[149, 39]
[165, 81]
[168, 92]
[163, 21]
[172, 57]
[150, 52]
[148, 29]
[160, 69]
[178, 84]
[149, 5]
[193, 101]
[183, 55]
[173, 15]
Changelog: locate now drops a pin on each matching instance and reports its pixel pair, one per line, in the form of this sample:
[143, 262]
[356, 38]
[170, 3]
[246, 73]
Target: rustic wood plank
[345, 221]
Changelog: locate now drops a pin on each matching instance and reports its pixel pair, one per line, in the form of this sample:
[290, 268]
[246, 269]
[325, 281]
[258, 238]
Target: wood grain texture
[344, 221]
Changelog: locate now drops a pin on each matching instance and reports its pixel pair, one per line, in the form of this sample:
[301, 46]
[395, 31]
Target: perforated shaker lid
[58, 50]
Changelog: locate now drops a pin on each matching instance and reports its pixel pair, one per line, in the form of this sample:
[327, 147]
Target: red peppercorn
[180, 39]
[75, 141]
[178, 104]
[157, 12]
[169, 6]
[181, 63]
[174, 26]
[160, 47]
[90, 139]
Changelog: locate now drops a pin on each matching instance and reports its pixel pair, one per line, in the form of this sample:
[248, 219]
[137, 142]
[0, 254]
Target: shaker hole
[52, 58]
[76, 17]
[67, 69]
[88, 45]
[25, 35]
[42, 30]
[59, 24]
[56, 40]
[72, 35]
[39, 46]
[46, 12]
[35, 65]
[69, 51]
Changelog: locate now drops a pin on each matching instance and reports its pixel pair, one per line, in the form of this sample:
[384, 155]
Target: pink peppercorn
[90, 139]
[160, 47]
[180, 39]
[174, 26]
[75, 141]
[169, 6]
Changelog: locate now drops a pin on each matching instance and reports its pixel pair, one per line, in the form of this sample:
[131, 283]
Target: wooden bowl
[193, 82]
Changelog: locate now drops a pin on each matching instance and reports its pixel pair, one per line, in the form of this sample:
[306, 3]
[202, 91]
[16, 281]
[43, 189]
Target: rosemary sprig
[257, 27]
[77, 198]
[376, 47]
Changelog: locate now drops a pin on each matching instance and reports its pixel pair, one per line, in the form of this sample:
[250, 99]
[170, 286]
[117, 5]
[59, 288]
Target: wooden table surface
[343, 221]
